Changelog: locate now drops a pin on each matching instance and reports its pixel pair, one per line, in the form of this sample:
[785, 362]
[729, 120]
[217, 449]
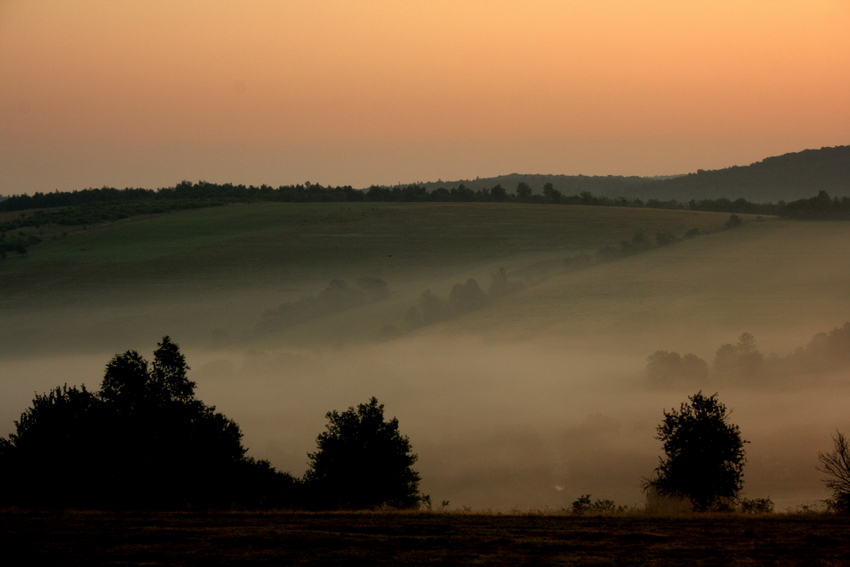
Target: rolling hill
[797, 175]
[528, 402]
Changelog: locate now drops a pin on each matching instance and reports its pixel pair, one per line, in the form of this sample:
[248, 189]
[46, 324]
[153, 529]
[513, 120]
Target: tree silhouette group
[145, 441]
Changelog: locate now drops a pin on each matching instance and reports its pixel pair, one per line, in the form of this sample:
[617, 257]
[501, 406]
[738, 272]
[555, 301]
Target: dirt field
[92, 538]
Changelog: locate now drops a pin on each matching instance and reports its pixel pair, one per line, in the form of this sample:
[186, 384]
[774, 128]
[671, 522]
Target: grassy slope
[783, 281]
[192, 271]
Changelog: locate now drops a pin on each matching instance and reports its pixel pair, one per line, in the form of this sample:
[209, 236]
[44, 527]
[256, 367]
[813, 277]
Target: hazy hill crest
[796, 175]
[599, 185]
[786, 177]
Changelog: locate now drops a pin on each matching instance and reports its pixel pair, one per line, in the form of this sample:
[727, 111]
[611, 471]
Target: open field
[118, 283]
[526, 404]
[96, 538]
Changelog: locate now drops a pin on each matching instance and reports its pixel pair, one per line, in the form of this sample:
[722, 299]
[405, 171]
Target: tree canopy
[836, 466]
[362, 461]
[704, 454]
[142, 441]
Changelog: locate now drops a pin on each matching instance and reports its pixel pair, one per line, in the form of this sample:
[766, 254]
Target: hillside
[798, 175]
[598, 185]
[528, 402]
[787, 177]
[247, 258]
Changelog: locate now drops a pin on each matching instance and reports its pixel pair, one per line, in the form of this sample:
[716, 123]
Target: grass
[781, 281]
[166, 271]
[281, 538]
[332, 232]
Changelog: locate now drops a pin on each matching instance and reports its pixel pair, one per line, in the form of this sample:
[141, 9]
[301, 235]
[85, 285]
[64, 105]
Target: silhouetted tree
[467, 297]
[550, 194]
[733, 222]
[741, 362]
[670, 369]
[704, 454]
[638, 243]
[523, 191]
[836, 465]
[143, 440]
[498, 193]
[57, 446]
[362, 461]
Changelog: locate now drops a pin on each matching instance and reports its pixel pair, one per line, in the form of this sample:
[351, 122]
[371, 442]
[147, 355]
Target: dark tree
[836, 465]
[523, 191]
[741, 362]
[362, 461]
[551, 194]
[57, 445]
[733, 222]
[704, 454]
[467, 297]
[670, 369]
[142, 441]
[498, 193]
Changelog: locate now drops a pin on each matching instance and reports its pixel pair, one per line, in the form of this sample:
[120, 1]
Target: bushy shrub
[756, 505]
[584, 505]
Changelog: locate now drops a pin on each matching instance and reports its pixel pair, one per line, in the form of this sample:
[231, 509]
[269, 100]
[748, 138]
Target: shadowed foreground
[227, 538]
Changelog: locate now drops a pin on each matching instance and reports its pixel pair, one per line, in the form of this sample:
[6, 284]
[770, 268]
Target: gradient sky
[146, 93]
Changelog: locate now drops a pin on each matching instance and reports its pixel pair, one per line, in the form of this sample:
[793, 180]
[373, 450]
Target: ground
[280, 538]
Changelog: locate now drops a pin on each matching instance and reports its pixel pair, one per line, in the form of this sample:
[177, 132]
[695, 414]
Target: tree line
[743, 364]
[143, 440]
[94, 206]
[108, 203]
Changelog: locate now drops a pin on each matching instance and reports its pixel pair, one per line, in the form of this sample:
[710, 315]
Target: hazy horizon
[146, 94]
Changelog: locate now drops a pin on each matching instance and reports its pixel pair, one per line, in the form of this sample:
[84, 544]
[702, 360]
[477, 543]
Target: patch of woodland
[743, 364]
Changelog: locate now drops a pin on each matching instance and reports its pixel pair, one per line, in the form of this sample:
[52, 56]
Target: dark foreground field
[94, 538]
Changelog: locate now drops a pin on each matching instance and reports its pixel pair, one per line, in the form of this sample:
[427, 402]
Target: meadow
[525, 404]
[245, 258]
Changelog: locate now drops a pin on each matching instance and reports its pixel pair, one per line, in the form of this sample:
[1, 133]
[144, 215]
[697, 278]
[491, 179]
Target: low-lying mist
[528, 403]
[496, 425]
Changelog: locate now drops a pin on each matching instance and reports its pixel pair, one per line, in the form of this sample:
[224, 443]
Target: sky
[146, 93]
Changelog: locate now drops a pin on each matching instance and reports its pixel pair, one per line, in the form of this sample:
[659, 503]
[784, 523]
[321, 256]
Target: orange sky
[150, 92]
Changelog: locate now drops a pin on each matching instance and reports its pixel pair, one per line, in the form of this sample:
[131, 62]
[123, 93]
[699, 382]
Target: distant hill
[598, 185]
[787, 177]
